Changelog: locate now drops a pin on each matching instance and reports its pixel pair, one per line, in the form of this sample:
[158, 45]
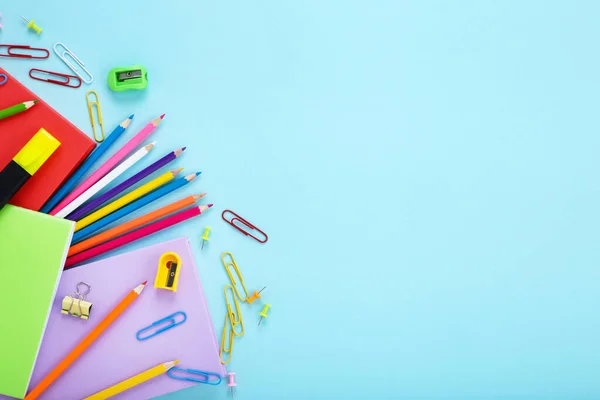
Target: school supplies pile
[136, 340]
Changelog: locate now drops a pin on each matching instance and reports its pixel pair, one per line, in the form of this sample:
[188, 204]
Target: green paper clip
[128, 78]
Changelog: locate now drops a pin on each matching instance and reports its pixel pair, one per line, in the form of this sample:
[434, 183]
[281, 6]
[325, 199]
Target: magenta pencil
[135, 235]
[109, 164]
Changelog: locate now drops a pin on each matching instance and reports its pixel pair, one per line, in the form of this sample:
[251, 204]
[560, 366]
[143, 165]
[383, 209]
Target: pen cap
[35, 153]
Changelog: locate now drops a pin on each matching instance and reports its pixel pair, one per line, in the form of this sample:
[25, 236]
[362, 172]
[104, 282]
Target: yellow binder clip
[235, 317]
[228, 266]
[90, 106]
[224, 349]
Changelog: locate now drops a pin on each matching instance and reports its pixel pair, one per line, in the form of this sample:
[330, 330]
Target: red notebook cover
[16, 131]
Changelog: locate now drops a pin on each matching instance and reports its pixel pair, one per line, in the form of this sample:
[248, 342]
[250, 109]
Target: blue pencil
[139, 203]
[87, 164]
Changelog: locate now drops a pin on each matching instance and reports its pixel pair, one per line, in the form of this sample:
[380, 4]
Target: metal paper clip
[205, 376]
[234, 317]
[62, 54]
[74, 303]
[169, 320]
[90, 106]
[49, 76]
[236, 218]
[228, 265]
[226, 329]
[33, 50]
[3, 79]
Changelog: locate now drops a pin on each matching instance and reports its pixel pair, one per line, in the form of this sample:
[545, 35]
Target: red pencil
[135, 235]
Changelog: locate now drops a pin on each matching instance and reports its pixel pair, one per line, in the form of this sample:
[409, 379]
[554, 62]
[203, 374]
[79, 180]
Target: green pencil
[7, 112]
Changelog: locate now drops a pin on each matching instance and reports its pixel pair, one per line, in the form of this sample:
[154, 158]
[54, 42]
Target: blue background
[426, 172]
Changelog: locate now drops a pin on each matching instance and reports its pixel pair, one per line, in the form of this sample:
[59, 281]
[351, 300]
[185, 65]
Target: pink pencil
[110, 164]
[135, 235]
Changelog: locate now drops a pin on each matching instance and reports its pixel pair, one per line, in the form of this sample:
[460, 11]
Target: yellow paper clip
[226, 329]
[235, 317]
[90, 105]
[228, 265]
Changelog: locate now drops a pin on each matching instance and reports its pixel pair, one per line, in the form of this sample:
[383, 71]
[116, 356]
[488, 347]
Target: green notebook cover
[33, 249]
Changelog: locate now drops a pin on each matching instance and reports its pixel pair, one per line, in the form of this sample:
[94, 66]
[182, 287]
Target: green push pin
[205, 236]
[31, 25]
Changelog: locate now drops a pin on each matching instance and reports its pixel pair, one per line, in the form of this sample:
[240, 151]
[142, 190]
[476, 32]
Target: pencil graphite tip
[183, 148]
[198, 173]
[179, 151]
[131, 116]
[162, 116]
[35, 101]
[209, 205]
[144, 283]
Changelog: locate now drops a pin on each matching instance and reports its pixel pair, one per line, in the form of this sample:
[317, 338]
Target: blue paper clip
[170, 320]
[3, 79]
[205, 376]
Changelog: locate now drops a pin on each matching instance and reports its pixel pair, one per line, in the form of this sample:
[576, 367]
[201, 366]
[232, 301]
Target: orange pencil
[133, 224]
[85, 343]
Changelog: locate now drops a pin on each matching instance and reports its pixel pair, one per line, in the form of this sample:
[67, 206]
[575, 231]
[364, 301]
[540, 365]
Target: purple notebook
[117, 354]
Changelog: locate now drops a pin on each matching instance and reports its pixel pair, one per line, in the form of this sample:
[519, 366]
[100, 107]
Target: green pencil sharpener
[128, 78]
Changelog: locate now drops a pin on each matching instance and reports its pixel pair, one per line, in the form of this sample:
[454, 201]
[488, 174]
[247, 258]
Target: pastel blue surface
[426, 172]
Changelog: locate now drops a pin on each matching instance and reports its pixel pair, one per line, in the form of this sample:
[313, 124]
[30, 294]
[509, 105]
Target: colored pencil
[135, 235]
[85, 167]
[108, 178]
[133, 224]
[19, 108]
[109, 164]
[85, 343]
[126, 199]
[92, 205]
[133, 381]
[139, 203]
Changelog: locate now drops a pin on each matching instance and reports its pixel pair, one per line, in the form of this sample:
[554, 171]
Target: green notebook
[33, 249]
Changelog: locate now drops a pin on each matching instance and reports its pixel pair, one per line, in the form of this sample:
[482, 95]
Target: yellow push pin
[255, 296]
[263, 313]
[205, 236]
[31, 25]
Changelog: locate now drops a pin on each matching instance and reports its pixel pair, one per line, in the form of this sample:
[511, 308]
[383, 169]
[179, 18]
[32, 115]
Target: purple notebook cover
[117, 354]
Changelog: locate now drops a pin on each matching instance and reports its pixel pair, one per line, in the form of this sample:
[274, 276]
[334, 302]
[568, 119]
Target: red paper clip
[64, 80]
[245, 223]
[11, 47]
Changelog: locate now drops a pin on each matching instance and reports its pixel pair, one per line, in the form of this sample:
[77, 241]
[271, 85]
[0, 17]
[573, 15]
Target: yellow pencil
[124, 200]
[133, 381]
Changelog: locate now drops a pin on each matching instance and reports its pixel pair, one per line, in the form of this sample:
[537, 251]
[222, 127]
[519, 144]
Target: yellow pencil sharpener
[167, 274]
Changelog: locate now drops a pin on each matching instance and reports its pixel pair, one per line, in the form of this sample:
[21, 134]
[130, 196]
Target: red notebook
[16, 131]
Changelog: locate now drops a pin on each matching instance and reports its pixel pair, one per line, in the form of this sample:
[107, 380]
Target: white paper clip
[62, 54]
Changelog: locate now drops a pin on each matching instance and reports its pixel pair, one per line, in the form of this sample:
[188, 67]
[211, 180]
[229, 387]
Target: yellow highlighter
[26, 163]
[126, 199]
[133, 381]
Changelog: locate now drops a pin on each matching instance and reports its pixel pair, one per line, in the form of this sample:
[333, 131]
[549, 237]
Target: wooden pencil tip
[198, 196]
[176, 171]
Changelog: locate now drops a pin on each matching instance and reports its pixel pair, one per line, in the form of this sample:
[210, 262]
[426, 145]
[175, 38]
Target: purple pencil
[97, 202]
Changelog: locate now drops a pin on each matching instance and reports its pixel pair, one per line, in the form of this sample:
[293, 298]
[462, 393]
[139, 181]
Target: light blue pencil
[85, 167]
[139, 203]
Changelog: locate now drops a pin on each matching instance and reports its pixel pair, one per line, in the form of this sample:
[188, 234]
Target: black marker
[26, 163]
